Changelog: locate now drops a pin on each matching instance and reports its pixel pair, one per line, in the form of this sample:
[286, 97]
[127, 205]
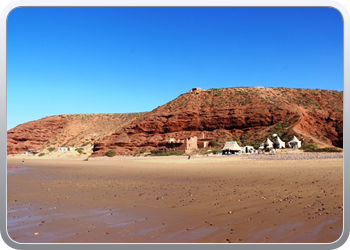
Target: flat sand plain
[227, 199]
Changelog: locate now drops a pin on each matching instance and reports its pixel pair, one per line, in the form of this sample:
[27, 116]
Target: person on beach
[23, 161]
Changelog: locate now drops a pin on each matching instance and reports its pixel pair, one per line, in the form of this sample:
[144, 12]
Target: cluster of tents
[278, 143]
[233, 147]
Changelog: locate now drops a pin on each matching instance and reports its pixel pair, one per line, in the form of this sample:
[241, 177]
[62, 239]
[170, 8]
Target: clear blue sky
[117, 60]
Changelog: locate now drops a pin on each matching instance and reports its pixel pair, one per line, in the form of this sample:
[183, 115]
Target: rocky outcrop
[65, 130]
[248, 115]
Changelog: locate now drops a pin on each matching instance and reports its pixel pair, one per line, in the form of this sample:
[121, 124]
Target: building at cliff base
[189, 144]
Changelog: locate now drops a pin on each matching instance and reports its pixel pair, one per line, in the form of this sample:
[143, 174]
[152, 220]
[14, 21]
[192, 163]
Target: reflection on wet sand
[175, 200]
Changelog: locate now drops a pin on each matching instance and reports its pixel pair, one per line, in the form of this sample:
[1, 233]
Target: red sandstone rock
[59, 130]
[248, 115]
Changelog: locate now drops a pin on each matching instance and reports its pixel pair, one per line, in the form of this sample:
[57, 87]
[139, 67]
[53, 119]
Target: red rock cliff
[64, 130]
[245, 114]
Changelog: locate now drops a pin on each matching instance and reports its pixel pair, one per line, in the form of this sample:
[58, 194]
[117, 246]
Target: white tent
[268, 143]
[279, 143]
[231, 146]
[294, 143]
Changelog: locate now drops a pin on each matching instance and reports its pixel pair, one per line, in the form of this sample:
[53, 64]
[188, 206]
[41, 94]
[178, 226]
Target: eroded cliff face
[245, 114]
[65, 130]
[248, 115]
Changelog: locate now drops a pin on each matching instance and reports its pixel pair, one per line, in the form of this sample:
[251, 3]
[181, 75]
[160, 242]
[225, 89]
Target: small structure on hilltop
[231, 147]
[196, 90]
[279, 143]
[294, 143]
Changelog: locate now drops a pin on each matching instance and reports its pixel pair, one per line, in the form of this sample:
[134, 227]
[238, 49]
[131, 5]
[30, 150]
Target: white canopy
[294, 142]
[294, 139]
[232, 145]
[279, 143]
[268, 143]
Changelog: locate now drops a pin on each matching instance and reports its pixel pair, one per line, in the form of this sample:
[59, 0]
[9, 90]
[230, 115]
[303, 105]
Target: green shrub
[51, 149]
[308, 147]
[85, 143]
[110, 153]
[80, 150]
[41, 154]
[324, 150]
[216, 151]
[156, 153]
[214, 143]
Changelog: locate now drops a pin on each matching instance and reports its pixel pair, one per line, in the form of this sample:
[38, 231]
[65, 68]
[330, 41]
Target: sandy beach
[227, 199]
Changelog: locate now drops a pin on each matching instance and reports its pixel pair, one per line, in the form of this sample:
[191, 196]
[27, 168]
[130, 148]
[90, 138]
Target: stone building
[196, 90]
[188, 144]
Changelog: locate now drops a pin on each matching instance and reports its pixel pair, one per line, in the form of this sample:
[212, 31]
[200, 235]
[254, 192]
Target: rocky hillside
[65, 130]
[247, 115]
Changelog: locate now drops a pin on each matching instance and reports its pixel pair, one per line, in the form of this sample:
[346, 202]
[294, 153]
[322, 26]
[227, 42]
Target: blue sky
[117, 60]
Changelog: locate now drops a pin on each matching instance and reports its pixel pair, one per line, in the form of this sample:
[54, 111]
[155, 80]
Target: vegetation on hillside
[156, 152]
[315, 148]
[242, 114]
[110, 153]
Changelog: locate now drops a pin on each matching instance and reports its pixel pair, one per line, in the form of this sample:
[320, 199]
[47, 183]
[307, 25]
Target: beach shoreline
[174, 199]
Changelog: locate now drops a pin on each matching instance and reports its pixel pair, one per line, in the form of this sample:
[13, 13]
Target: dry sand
[224, 199]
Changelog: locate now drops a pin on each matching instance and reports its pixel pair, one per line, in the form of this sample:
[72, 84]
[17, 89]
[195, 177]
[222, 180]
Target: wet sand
[175, 200]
